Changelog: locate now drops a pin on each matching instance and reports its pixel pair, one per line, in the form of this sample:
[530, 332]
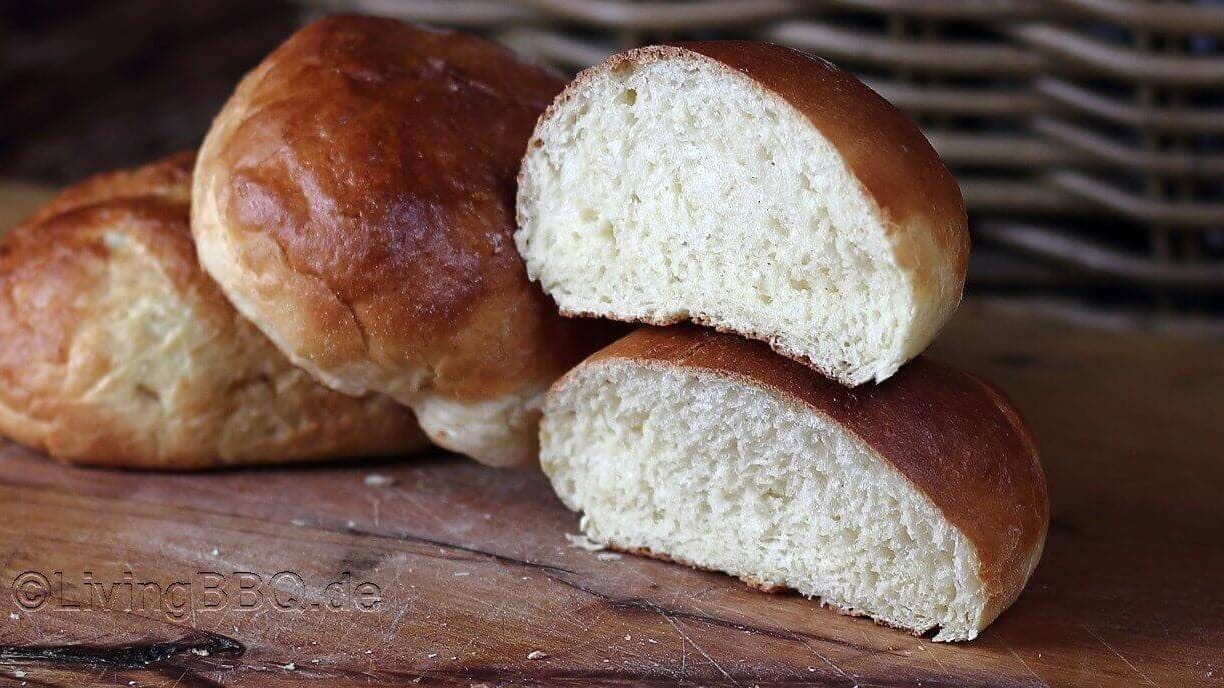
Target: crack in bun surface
[117, 349]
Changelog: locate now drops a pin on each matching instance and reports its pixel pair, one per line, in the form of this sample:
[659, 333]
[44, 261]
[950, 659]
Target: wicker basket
[1086, 134]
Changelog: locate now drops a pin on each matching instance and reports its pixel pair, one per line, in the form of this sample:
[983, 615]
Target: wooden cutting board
[434, 571]
[473, 581]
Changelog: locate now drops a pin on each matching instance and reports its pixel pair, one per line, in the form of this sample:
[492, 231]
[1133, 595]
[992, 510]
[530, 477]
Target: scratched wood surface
[474, 581]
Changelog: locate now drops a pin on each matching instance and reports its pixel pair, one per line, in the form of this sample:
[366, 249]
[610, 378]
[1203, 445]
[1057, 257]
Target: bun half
[749, 187]
[919, 502]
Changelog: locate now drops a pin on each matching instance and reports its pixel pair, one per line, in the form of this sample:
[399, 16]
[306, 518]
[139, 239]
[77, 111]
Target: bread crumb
[581, 541]
[607, 556]
[536, 654]
[289, 667]
[378, 479]
[199, 651]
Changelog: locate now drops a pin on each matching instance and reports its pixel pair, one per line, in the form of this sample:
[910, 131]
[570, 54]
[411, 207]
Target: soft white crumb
[199, 651]
[607, 556]
[536, 654]
[378, 479]
[461, 573]
[289, 667]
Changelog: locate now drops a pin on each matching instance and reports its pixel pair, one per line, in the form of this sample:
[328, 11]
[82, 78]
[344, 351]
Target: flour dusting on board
[581, 541]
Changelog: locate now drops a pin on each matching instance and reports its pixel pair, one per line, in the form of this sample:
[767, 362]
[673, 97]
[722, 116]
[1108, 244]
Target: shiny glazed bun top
[355, 199]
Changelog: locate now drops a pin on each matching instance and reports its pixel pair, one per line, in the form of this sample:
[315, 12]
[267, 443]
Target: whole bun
[116, 349]
[355, 200]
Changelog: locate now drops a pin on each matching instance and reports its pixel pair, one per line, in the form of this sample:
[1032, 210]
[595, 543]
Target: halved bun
[355, 200]
[116, 349]
[919, 502]
[749, 187]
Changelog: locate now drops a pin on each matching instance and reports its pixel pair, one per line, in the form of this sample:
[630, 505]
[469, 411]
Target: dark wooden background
[87, 86]
[90, 85]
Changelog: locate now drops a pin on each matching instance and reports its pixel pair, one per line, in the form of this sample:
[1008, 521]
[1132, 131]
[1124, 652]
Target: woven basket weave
[1087, 135]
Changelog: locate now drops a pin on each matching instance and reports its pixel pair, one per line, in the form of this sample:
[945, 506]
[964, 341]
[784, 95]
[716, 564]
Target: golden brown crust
[116, 349]
[955, 437]
[168, 178]
[365, 173]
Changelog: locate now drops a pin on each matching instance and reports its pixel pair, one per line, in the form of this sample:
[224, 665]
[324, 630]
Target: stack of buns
[772, 196]
[348, 267]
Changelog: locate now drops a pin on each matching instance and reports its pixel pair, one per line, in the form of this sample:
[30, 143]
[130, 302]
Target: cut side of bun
[749, 187]
[919, 502]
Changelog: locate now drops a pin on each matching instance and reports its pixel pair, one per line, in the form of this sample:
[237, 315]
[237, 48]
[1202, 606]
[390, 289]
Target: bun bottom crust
[759, 586]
